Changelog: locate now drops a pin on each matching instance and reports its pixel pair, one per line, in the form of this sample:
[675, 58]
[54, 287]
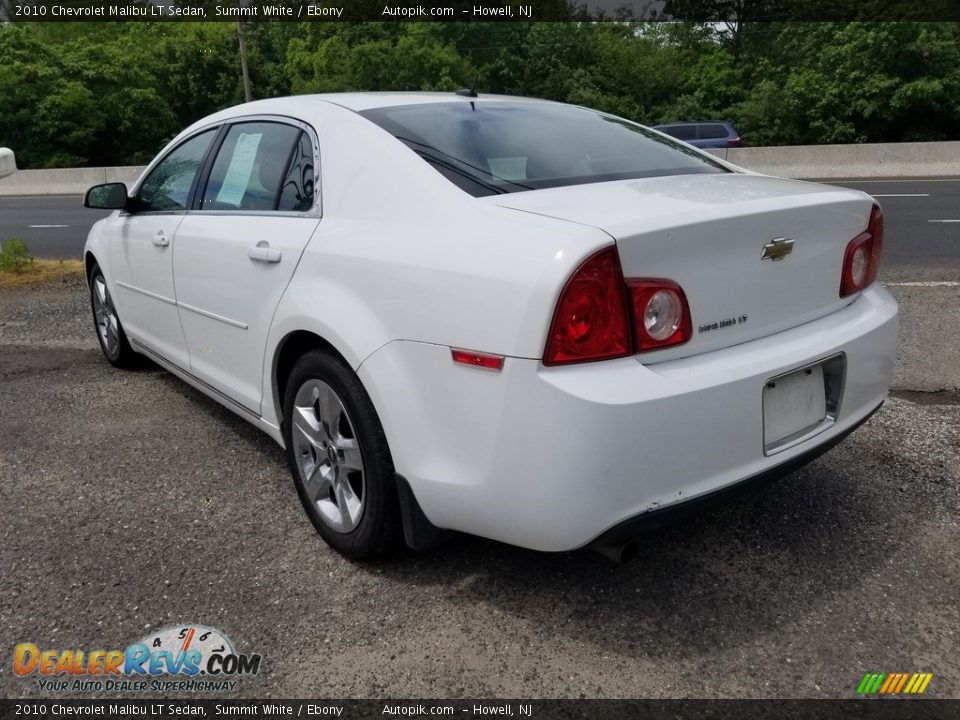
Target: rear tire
[339, 458]
[113, 340]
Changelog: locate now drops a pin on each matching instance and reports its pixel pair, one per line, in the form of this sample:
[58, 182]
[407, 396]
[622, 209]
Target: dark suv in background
[703, 133]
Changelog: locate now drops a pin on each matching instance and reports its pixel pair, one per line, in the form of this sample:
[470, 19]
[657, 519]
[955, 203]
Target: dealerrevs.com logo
[182, 658]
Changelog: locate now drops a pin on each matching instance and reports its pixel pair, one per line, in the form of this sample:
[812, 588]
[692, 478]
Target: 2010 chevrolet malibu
[533, 322]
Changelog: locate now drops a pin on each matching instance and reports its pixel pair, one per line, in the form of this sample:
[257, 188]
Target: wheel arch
[418, 532]
[89, 260]
[291, 348]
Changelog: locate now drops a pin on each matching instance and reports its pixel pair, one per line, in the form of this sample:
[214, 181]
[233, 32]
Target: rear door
[237, 251]
[141, 250]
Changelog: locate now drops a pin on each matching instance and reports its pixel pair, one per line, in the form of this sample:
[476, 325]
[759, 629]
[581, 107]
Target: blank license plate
[792, 404]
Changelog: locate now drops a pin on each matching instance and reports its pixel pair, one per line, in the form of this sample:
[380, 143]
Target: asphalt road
[917, 239]
[52, 226]
[132, 502]
[921, 224]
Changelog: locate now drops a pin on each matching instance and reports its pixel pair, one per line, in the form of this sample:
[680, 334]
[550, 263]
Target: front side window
[168, 185]
[261, 166]
[504, 146]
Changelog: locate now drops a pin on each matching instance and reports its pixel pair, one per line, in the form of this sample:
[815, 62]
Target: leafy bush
[14, 256]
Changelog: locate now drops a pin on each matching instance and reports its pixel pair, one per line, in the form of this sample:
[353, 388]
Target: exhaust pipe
[620, 552]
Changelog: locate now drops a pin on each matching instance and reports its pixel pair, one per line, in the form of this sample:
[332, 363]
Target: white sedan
[524, 320]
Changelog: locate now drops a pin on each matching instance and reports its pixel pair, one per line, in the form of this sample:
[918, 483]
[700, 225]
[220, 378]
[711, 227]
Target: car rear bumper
[553, 458]
[655, 519]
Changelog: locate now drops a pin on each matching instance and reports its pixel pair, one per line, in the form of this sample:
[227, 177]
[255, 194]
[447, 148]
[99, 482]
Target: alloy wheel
[328, 456]
[108, 326]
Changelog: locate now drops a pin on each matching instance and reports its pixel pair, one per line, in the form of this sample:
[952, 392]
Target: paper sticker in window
[237, 179]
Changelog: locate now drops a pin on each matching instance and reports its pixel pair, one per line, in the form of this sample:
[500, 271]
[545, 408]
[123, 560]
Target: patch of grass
[19, 269]
[42, 271]
[14, 256]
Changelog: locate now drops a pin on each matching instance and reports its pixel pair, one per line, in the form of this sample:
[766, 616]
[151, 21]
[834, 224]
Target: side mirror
[109, 196]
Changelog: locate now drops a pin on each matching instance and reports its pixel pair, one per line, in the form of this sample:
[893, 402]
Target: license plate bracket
[801, 403]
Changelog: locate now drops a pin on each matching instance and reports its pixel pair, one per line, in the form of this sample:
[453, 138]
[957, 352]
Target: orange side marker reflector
[476, 359]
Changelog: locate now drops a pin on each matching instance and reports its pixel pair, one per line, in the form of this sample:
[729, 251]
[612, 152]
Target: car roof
[360, 101]
[693, 122]
[304, 106]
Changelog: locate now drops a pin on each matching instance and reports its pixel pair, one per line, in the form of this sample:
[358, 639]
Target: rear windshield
[488, 148]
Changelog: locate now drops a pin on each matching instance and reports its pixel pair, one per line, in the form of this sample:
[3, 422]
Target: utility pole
[247, 94]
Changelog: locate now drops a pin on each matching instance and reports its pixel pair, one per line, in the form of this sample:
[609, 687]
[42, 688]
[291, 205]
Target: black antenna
[472, 90]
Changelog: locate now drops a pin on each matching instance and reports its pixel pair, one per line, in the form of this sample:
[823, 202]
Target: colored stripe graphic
[902, 680]
[891, 679]
[894, 683]
[866, 686]
[913, 683]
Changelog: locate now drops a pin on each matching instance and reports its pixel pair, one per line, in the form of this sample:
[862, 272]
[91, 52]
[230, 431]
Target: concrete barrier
[887, 160]
[67, 181]
[877, 160]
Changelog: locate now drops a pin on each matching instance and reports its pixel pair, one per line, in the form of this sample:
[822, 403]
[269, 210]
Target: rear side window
[713, 131]
[260, 166]
[296, 194]
[681, 132]
[167, 187]
[494, 147]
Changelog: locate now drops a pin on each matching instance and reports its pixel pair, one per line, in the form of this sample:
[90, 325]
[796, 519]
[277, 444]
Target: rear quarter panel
[402, 254]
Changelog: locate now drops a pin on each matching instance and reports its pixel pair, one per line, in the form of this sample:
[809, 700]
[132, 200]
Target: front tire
[339, 458]
[110, 334]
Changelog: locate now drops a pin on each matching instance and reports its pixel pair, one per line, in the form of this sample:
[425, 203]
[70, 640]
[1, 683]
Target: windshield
[488, 148]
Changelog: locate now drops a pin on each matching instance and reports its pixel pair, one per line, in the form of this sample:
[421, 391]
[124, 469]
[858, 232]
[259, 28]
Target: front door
[141, 251]
[236, 254]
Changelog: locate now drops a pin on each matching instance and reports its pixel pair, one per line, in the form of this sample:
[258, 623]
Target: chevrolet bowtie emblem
[777, 249]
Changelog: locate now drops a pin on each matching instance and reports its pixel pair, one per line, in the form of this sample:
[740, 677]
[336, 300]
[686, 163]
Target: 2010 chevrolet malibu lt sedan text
[533, 322]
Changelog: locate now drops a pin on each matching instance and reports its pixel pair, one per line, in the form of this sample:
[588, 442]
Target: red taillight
[593, 316]
[861, 261]
[661, 314]
[591, 321]
[734, 142]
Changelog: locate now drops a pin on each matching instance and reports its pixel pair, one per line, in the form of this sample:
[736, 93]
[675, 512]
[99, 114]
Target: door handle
[161, 239]
[262, 252]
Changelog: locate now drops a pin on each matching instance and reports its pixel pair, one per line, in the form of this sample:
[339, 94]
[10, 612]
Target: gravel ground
[132, 502]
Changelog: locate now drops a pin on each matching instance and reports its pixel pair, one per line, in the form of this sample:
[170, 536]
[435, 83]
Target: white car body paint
[397, 265]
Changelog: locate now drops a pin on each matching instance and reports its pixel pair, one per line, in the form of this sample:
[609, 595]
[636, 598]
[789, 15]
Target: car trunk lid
[717, 236]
